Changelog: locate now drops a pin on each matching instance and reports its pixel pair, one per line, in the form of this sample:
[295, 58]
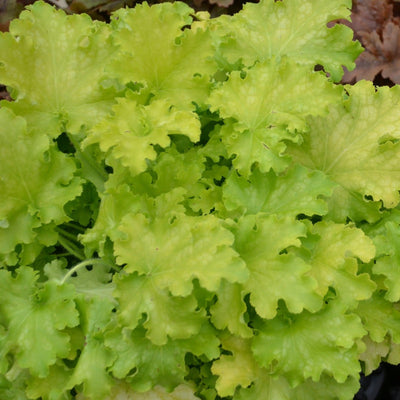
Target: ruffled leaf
[357, 147]
[133, 130]
[261, 241]
[265, 111]
[65, 56]
[172, 252]
[295, 28]
[166, 316]
[306, 345]
[36, 182]
[148, 364]
[172, 63]
[35, 319]
[297, 191]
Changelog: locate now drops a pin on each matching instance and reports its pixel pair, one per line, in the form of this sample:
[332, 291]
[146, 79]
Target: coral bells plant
[191, 209]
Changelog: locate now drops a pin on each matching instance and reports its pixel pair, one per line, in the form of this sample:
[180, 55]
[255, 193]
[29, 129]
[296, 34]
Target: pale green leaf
[36, 181]
[146, 364]
[333, 253]
[261, 241]
[268, 105]
[296, 191]
[133, 130]
[357, 147]
[294, 28]
[65, 57]
[35, 318]
[166, 316]
[95, 358]
[173, 251]
[306, 345]
[171, 63]
[380, 318]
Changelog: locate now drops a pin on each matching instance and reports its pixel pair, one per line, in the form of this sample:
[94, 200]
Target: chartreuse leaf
[171, 63]
[380, 318]
[166, 316]
[133, 129]
[365, 125]
[306, 345]
[65, 57]
[374, 354]
[295, 28]
[261, 241]
[53, 387]
[171, 252]
[176, 169]
[296, 191]
[333, 250]
[36, 182]
[14, 388]
[95, 358]
[228, 311]
[265, 112]
[237, 369]
[124, 391]
[146, 364]
[35, 319]
[240, 375]
[88, 283]
[387, 243]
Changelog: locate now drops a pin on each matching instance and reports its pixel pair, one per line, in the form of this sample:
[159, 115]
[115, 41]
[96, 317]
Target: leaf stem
[71, 247]
[82, 264]
[76, 226]
[66, 234]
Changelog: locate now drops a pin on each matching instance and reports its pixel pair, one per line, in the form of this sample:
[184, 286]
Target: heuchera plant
[194, 208]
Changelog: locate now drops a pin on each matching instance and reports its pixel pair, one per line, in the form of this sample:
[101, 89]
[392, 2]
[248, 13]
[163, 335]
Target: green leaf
[380, 318]
[133, 130]
[125, 391]
[294, 28]
[36, 182]
[52, 387]
[36, 317]
[65, 57]
[306, 345]
[268, 105]
[173, 251]
[388, 248]
[261, 241]
[297, 191]
[95, 358]
[166, 316]
[333, 250]
[228, 311]
[357, 147]
[171, 62]
[237, 369]
[374, 354]
[146, 364]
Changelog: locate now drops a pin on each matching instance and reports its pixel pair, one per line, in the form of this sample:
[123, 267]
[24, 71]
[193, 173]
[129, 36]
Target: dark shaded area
[382, 384]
